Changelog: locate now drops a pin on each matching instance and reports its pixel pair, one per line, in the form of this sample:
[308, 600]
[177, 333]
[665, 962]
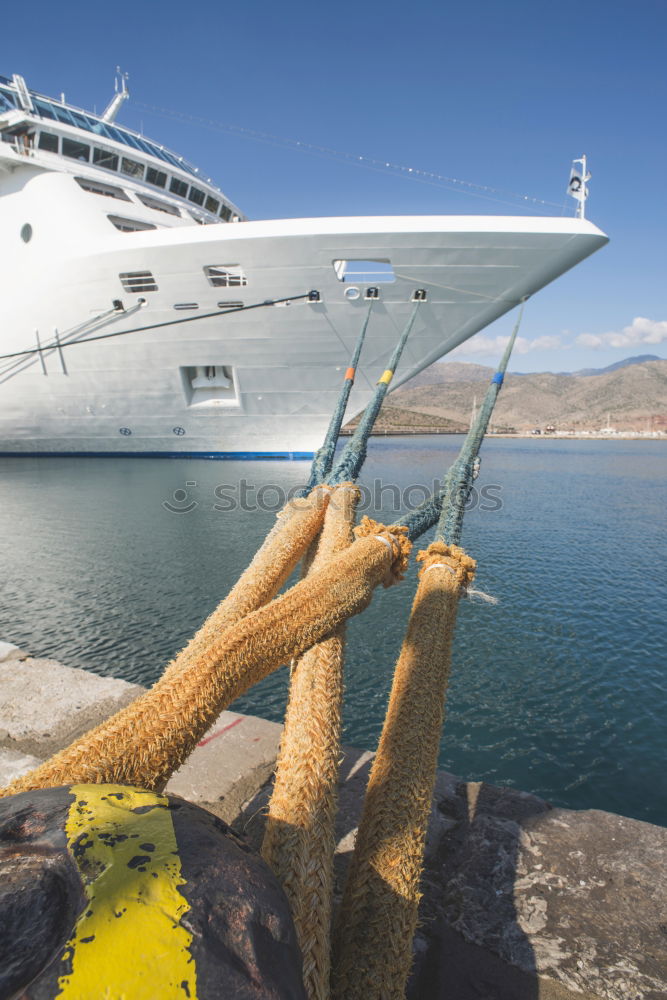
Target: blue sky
[503, 94]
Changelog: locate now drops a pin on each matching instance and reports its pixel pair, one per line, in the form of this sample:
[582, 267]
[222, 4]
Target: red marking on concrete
[219, 732]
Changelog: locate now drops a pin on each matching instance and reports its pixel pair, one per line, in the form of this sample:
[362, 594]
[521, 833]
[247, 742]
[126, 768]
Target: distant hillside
[456, 371]
[451, 371]
[397, 418]
[639, 359]
[633, 396]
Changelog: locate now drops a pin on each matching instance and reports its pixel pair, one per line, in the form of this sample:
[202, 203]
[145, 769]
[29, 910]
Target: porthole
[26, 232]
[352, 292]
[125, 431]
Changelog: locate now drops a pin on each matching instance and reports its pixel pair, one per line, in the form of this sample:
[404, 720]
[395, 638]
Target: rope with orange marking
[323, 459]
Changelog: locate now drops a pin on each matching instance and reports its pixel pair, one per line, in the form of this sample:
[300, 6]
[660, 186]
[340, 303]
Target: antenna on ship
[576, 187]
[119, 96]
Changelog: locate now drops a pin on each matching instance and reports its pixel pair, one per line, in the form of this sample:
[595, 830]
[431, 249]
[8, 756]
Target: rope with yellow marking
[354, 454]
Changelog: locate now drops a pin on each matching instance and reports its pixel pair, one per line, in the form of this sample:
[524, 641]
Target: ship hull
[141, 392]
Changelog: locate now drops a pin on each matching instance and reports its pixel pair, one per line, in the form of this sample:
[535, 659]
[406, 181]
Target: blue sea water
[559, 689]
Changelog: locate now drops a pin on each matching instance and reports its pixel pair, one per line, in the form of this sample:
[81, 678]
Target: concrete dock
[521, 901]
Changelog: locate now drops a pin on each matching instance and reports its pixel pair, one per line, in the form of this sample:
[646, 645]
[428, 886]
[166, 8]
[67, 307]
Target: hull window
[97, 187]
[158, 205]
[225, 275]
[362, 271]
[209, 385]
[138, 281]
[129, 225]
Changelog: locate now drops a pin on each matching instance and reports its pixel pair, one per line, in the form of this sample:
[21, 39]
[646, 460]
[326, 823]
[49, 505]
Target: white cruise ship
[126, 277]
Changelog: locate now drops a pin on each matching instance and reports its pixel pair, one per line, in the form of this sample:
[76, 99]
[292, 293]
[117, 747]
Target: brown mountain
[632, 398]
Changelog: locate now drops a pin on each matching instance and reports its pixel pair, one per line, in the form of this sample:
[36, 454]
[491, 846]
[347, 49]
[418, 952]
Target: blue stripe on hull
[237, 456]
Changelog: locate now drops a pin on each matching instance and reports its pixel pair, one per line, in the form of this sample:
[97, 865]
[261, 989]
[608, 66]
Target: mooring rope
[299, 840]
[55, 345]
[103, 754]
[323, 459]
[178, 710]
[378, 914]
[296, 528]
[460, 476]
[247, 637]
[462, 472]
[354, 454]
[147, 741]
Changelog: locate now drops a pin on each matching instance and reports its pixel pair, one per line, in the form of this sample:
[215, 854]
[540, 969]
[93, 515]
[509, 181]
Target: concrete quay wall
[521, 901]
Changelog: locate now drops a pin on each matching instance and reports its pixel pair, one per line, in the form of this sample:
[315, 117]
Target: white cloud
[547, 343]
[641, 331]
[481, 345]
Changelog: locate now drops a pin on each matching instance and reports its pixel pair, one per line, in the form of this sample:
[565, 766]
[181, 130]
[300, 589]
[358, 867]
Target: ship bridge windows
[75, 150]
[225, 212]
[157, 204]
[48, 142]
[225, 275]
[62, 114]
[7, 100]
[156, 177]
[98, 187]
[178, 187]
[54, 110]
[212, 205]
[105, 158]
[21, 138]
[132, 168]
[138, 281]
[129, 225]
[196, 195]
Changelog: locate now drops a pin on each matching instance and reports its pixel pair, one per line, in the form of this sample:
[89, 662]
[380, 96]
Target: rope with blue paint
[447, 507]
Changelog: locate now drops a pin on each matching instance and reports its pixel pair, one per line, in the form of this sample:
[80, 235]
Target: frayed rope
[469, 592]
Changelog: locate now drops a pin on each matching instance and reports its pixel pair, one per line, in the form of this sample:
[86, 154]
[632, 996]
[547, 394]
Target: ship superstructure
[105, 231]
